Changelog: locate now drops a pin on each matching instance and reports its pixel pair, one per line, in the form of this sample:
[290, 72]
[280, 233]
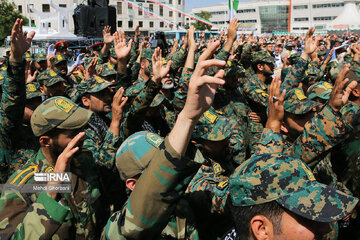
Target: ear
[130, 183]
[260, 67]
[43, 89]
[45, 141]
[283, 128]
[85, 101]
[356, 92]
[261, 228]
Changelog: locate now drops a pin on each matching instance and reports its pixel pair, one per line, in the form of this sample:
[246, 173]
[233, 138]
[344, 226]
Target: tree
[8, 16]
[202, 26]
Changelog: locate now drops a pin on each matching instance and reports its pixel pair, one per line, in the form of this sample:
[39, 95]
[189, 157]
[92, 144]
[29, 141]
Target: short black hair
[243, 215]
[254, 65]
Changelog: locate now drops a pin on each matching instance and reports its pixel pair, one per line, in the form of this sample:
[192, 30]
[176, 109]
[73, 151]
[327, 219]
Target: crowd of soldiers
[235, 137]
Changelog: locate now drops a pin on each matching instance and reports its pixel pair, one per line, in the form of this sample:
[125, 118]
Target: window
[140, 13]
[170, 13]
[300, 7]
[326, 18]
[161, 11]
[248, 21]
[130, 24]
[49, 24]
[179, 24]
[20, 8]
[32, 23]
[179, 2]
[130, 7]
[119, 24]
[46, 8]
[151, 7]
[140, 23]
[30, 6]
[179, 14]
[62, 5]
[119, 7]
[151, 24]
[328, 5]
[218, 13]
[161, 24]
[303, 19]
[246, 10]
[170, 1]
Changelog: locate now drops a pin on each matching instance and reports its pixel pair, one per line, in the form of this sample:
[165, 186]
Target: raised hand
[20, 41]
[276, 106]
[191, 38]
[122, 50]
[340, 93]
[311, 43]
[91, 69]
[159, 71]
[108, 38]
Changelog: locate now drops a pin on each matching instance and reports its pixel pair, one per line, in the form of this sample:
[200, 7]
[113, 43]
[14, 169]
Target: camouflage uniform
[160, 185]
[78, 214]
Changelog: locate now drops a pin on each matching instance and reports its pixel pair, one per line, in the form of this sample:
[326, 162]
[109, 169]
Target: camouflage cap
[312, 73]
[321, 90]
[231, 68]
[33, 90]
[92, 85]
[136, 152]
[158, 99]
[297, 103]
[353, 75]
[147, 53]
[291, 183]
[59, 58]
[263, 56]
[108, 69]
[58, 112]
[212, 126]
[49, 77]
[40, 57]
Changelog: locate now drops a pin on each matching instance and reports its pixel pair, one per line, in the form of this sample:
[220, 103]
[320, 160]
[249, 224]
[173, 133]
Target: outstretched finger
[209, 51]
[80, 136]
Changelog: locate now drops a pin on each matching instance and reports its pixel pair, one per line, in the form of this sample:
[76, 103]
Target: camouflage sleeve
[255, 93]
[102, 59]
[178, 59]
[222, 55]
[21, 219]
[135, 69]
[351, 113]
[321, 133]
[270, 142]
[156, 187]
[295, 75]
[122, 81]
[134, 53]
[182, 89]
[103, 151]
[14, 94]
[246, 53]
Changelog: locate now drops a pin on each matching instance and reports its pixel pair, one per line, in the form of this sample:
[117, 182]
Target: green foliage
[199, 26]
[8, 16]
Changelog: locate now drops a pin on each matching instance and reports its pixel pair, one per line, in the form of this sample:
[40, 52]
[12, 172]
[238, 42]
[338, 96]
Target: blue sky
[189, 4]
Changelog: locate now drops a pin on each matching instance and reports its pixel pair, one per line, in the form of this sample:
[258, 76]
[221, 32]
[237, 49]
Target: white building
[268, 16]
[127, 17]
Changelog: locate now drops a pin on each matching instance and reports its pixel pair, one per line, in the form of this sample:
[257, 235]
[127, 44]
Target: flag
[233, 6]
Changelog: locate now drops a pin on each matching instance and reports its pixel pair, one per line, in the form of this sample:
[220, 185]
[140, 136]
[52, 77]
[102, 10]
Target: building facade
[127, 17]
[269, 16]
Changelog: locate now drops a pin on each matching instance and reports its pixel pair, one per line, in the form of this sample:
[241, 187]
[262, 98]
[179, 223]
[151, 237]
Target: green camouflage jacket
[158, 187]
[80, 214]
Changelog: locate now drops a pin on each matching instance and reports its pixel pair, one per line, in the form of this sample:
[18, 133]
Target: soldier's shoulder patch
[64, 104]
[110, 67]
[210, 116]
[328, 85]
[24, 175]
[31, 87]
[300, 94]
[217, 168]
[99, 80]
[154, 139]
[223, 184]
[52, 73]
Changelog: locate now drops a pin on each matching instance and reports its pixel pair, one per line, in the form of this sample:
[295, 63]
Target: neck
[166, 93]
[50, 156]
[144, 76]
[261, 77]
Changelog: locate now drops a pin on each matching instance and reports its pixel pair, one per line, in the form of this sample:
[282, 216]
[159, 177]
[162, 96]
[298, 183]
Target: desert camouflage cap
[147, 53]
[40, 57]
[108, 69]
[290, 182]
[321, 90]
[212, 126]
[135, 154]
[33, 90]
[49, 77]
[92, 85]
[297, 103]
[59, 58]
[263, 56]
[58, 112]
